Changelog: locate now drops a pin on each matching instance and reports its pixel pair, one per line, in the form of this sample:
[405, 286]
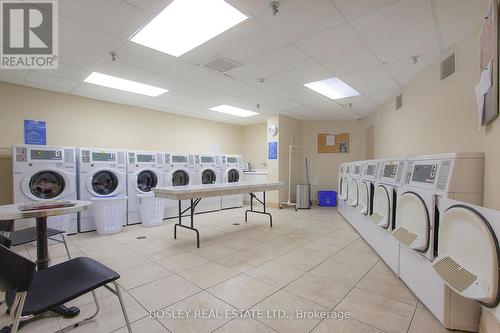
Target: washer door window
[104, 182]
[180, 178]
[412, 222]
[46, 184]
[233, 176]
[146, 180]
[208, 177]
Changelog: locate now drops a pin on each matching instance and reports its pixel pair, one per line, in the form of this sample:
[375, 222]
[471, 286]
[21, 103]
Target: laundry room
[293, 166]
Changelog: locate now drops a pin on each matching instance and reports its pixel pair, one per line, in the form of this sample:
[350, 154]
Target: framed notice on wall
[328, 143]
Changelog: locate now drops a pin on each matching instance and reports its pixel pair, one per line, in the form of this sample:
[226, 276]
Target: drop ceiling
[366, 43]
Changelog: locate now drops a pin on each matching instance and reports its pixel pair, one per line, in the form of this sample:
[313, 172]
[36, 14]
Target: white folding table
[195, 193]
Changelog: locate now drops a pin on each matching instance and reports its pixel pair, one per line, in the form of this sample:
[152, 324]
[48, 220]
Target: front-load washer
[45, 173]
[232, 171]
[180, 172]
[208, 171]
[145, 170]
[102, 173]
[427, 181]
[468, 263]
[383, 214]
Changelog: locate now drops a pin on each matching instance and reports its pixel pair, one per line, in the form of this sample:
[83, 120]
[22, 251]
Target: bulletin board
[333, 143]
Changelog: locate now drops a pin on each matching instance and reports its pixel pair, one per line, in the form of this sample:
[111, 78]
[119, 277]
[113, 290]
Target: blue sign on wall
[35, 132]
[273, 150]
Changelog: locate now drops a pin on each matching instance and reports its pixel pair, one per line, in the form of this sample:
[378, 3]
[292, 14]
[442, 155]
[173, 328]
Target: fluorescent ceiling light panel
[123, 84]
[232, 110]
[333, 88]
[186, 24]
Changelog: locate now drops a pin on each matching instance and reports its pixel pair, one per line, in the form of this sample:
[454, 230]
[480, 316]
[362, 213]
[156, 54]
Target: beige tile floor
[310, 260]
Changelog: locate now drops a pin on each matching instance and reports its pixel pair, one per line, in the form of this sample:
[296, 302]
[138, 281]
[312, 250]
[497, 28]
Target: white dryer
[468, 262]
[383, 213]
[427, 181]
[102, 173]
[367, 188]
[145, 170]
[208, 171]
[45, 173]
[232, 172]
[342, 206]
[180, 172]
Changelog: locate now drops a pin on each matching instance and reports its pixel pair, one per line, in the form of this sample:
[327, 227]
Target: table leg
[193, 204]
[264, 212]
[42, 262]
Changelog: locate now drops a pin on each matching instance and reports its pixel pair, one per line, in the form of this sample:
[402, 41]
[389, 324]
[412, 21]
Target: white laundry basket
[151, 209]
[110, 214]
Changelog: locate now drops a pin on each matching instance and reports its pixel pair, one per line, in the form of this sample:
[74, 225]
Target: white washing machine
[427, 181]
[232, 172]
[353, 186]
[208, 171]
[102, 173]
[180, 172]
[383, 213]
[45, 173]
[468, 262]
[343, 191]
[145, 170]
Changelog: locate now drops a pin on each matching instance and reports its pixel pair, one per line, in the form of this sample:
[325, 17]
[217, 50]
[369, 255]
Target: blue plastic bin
[327, 198]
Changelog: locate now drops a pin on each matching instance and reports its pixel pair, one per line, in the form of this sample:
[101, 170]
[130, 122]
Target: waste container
[110, 214]
[151, 209]
[303, 196]
[327, 198]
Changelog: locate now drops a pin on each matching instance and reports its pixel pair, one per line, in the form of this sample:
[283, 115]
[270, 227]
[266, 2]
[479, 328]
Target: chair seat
[28, 235]
[64, 282]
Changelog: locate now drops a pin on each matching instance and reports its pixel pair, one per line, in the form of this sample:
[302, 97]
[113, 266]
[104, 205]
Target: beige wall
[77, 121]
[290, 130]
[440, 116]
[324, 167]
[255, 145]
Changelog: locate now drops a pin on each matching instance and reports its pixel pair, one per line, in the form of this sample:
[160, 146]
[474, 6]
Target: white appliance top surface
[455, 155]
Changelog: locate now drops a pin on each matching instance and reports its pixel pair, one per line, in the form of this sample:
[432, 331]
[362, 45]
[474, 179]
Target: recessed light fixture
[333, 88]
[232, 110]
[123, 84]
[186, 24]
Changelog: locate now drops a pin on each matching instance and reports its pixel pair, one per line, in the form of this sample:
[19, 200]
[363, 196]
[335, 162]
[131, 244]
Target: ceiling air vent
[448, 66]
[399, 102]
[221, 65]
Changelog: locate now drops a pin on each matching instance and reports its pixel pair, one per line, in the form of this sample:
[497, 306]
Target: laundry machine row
[397, 208]
[47, 173]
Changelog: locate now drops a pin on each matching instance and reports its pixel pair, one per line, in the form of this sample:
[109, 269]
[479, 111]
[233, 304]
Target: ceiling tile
[273, 101]
[46, 87]
[195, 90]
[399, 19]
[407, 66]
[454, 31]
[404, 47]
[149, 6]
[251, 7]
[381, 97]
[301, 94]
[246, 40]
[375, 86]
[326, 106]
[363, 107]
[109, 94]
[86, 38]
[66, 71]
[352, 62]
[452, 10]
[78, 58]
[352, 9]
[229, 85]
[365, 76]
[125, 71]
[311, 73]
[298, 19]
[50, 80]
[250, 73]
[182, 99]
[284, 60]
[332, 43]
[112, 16]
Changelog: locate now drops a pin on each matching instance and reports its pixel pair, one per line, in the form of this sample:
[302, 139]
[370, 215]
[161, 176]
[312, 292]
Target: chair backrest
[16, 272]
[5, 241]
[7, 225]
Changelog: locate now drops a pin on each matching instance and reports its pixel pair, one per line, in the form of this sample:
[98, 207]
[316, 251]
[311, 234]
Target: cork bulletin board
[333, 143]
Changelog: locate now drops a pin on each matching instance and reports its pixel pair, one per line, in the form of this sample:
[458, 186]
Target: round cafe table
[12, 212]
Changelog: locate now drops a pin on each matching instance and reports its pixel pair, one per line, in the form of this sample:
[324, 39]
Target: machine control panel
[392, 171]
[370, 170]
[424, 173]
[146, 158]
[103, 157]
[357, 170]
[429, 174]
[179, 159]
[46, 154]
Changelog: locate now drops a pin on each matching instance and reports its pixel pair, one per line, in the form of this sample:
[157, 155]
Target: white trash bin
[151, 209]
[110, 214]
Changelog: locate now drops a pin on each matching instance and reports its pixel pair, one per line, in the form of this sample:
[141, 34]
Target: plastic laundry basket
[151, 209]
[110, 214]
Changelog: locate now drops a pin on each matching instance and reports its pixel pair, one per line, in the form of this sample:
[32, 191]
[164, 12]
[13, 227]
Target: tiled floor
[310, 260]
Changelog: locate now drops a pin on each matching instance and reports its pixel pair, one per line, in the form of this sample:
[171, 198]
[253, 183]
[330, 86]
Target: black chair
[39, 291]
[28, 235]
